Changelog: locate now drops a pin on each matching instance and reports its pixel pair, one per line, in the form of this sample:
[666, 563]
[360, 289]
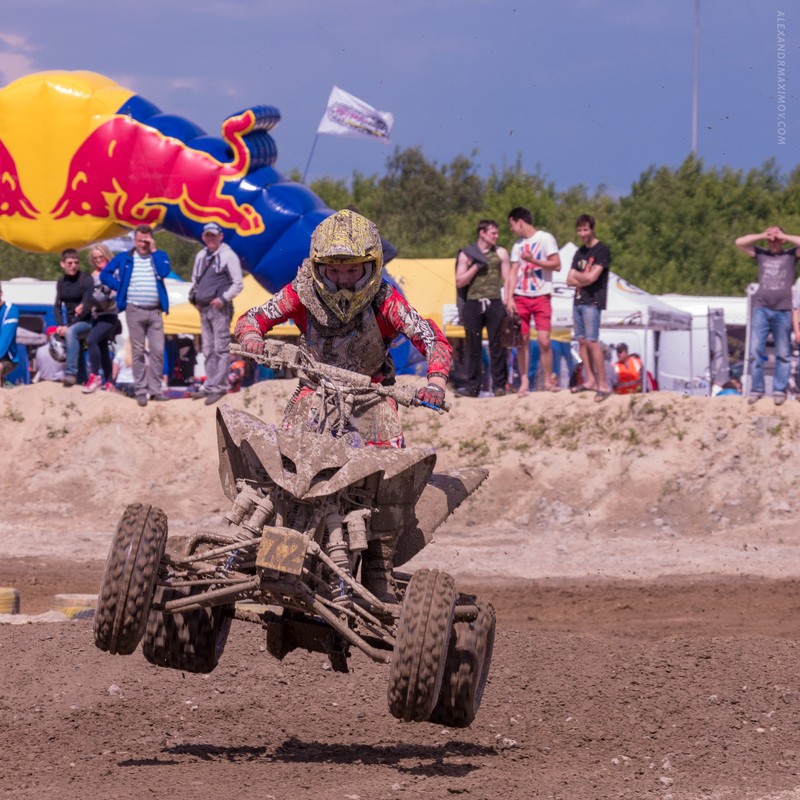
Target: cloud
[15, 42]
[192, 84]
[16, 57]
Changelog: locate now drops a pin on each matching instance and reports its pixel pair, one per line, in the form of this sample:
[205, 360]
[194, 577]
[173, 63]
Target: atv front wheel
[420, 653]
[192, 641]
[467, 669]
[129, 578]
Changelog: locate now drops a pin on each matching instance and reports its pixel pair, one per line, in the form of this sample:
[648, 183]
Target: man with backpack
[482, 271]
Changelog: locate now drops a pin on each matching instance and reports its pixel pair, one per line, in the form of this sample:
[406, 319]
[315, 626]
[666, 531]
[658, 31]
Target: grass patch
[473, 447]
[14, 415]
[536, 430]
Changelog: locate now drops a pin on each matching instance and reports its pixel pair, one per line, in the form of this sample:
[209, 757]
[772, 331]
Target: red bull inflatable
[83, 159]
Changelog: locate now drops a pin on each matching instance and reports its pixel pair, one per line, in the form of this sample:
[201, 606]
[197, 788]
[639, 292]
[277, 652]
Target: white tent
[641, 320]
[735, 308]
[629, 306]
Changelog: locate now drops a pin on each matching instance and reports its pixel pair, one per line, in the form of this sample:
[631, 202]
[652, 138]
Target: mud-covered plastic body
[306, 501]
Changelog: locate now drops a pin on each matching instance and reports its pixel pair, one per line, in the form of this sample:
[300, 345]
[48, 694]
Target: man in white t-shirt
[534, 259]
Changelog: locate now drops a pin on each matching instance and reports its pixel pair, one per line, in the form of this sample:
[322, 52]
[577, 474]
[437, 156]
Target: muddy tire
[192, 641]
[466, 670]
[420, 654]
[129, 579]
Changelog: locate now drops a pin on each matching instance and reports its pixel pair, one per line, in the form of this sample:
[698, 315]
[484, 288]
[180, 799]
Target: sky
[591, 92]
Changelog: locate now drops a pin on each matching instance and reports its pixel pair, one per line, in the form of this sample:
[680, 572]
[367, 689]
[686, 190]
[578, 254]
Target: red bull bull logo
[13, 200]
[134, 173]
[84, 159]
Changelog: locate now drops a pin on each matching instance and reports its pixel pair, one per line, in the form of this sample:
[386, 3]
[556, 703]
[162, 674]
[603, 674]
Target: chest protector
[356, 345]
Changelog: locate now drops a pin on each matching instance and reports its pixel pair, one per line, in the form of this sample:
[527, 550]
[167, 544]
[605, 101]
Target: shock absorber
[248, 503]
[336, 548]
[356, 524]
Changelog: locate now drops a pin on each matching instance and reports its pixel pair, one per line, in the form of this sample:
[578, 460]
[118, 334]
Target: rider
[348, 317]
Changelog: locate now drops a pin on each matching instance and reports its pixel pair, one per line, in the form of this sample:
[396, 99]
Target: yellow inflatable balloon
[45, 118]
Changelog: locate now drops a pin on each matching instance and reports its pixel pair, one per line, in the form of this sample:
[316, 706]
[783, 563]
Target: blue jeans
[779, 323]
[75, 333]
[587, 322]
[561, 351]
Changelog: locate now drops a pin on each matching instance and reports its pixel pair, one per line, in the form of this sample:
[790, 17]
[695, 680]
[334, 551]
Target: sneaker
[70, 380]
[462, 391]
[142, 401]
[94, 383]
[108, 387]
[754, 398]
[779, 398]
[159, 397]
[214, 397]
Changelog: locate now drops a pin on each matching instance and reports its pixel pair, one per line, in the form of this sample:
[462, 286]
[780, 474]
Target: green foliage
[181, 252]
[673, 232]
[334, 193]
[15, 263]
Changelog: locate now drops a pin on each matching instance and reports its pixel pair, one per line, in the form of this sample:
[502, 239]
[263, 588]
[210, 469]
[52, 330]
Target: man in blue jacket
[138, 279]
[9, 321]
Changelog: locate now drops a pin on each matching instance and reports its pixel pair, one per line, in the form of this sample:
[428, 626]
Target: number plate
[282, 550]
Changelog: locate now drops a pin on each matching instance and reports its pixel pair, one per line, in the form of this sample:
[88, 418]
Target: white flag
[348, 116]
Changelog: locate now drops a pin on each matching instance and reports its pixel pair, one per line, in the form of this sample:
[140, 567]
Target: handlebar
[283, 355]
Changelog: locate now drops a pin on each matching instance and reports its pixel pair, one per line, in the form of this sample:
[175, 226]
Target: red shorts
[537, 308]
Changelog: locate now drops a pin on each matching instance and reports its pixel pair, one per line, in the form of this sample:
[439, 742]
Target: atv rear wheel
[129, 578]
[191, 641]
[420, 653]
[467, 669]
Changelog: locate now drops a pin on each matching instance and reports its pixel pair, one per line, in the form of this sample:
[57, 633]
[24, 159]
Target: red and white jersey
[361, 345]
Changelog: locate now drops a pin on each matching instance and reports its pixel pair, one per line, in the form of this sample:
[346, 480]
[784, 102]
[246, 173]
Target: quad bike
[305, 503]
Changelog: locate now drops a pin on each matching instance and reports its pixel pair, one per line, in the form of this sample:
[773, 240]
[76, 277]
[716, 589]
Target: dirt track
[684, 689]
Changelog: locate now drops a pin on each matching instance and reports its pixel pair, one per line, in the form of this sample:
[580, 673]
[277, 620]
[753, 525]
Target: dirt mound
[676, 484]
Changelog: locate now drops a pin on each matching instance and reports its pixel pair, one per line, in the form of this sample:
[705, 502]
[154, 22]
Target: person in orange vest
[629, 371]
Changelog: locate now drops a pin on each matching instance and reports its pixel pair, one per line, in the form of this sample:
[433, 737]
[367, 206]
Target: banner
[348, 116]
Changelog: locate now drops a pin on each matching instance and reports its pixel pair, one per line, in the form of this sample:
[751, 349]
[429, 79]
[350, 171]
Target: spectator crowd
[506, 294]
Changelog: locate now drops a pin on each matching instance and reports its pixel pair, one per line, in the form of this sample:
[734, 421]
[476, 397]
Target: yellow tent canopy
[184, 318]
[429, 285]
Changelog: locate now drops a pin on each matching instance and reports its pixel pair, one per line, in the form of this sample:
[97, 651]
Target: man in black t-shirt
[772, 307]
[589, 276]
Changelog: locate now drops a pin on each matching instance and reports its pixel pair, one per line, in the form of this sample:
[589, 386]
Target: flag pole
[308, 163]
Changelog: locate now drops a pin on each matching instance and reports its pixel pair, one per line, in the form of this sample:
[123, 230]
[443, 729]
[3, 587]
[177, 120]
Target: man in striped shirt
[137, 277]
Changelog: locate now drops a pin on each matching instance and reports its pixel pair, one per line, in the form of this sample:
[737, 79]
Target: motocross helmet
[58, 347]
[346, 238]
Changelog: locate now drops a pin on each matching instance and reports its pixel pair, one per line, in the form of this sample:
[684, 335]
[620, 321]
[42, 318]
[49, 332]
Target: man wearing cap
[628, 368]
[137, 276]
[9, 321]
[216, 280]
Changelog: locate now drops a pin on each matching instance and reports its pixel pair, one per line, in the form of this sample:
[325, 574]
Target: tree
[675, 231]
